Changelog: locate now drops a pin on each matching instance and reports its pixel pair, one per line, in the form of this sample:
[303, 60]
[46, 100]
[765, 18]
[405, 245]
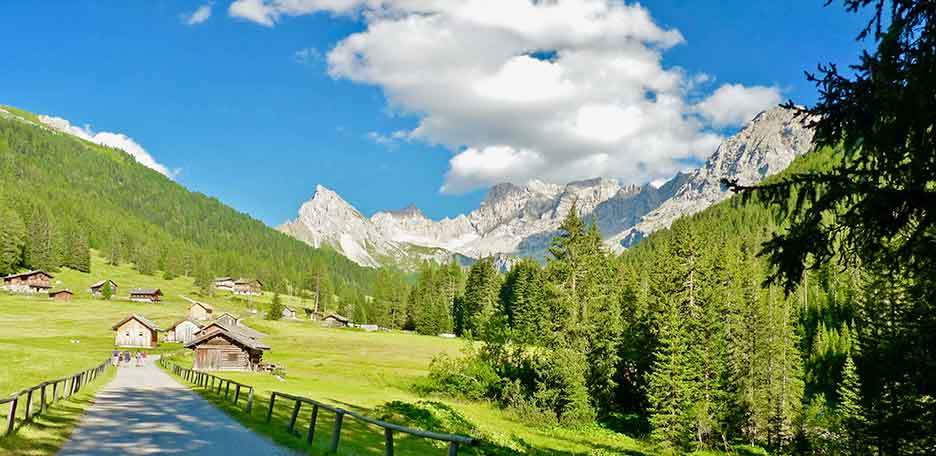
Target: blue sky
[249, 112]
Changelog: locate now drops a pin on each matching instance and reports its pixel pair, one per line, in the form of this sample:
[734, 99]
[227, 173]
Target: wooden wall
[135, 334]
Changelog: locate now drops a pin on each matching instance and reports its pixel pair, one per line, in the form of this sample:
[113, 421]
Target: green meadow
[372, 373]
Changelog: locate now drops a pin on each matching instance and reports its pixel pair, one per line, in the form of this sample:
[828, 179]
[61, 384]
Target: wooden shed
[335, 321]
[200, 311]
[61, 295]
[182, 331]
[97, 288]
[239, 327]
[227, 319]
[136, 331]
[28, 282]
[224, 283]
[153, 295]
[226, 350]
[289, 312]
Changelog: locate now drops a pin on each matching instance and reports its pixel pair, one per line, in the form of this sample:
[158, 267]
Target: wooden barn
[61, 295]
[28, 282]
[250, 287]
[136, 331]
[226, 350]
[334, 320]
[200, 311]
[289, 313]
[182, 331]
[227, 319]
[97, 288]
[153, 295]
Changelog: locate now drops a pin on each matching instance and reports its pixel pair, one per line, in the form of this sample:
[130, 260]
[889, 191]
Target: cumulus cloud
[521, 89]
[199, 15]
[106, 138]
[735, 104]
[307, 56]
[268, 12]
[391, 141]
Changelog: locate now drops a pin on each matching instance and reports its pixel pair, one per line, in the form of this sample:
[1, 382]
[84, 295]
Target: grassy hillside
[40, 339]
[66, 193]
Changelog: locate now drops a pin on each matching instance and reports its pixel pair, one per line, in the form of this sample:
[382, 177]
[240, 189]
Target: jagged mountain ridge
[521, 220]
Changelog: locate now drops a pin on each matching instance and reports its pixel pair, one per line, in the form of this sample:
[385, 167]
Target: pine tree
[275, 312]
[12, 240]
[481, 299]
[107, 291]
[850, 413]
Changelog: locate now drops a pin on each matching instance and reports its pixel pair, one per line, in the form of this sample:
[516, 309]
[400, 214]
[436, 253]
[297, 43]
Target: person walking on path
[146, 411]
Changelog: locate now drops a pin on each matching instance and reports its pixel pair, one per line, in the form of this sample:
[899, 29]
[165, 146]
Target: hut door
[209, 359]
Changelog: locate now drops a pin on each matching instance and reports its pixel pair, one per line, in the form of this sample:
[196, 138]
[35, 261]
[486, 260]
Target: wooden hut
[153, 295]
[226, 350]
[61, 295]
[239, 327]
[289, 313]
[182, 331]
[335, 321]
[249, 287]
[97, 288]
[227, 319]
[28, 282]
[200, 311]
[136, 331]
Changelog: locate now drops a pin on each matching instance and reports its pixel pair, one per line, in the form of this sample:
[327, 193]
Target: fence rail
[208, 381]
[202, 379]
[70, 385]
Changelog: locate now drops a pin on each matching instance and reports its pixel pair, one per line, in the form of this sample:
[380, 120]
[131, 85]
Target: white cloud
[199, 15]
[518, 89]
[268, 12]
[307, 56]
[106, 138]
[735, 104]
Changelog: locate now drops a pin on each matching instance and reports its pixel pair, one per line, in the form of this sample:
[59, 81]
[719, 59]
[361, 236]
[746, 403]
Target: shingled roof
[28, 273]
[145, 321]
[146, 291]
[233, 335]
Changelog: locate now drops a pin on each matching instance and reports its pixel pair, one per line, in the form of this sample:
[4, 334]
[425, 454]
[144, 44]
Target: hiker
[115, 358]
[137, 355]
[126, 358]
[143, 356]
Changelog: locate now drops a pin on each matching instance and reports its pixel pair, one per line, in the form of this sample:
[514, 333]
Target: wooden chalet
[61, 295]
[239, 327]
[153, 295]
[224, 283]
[225, 349]
[250, 287]
[334, 320]
[136, 331]
[200, 311]
[28, 282]
[182, 331]
[289, 312]
[97, 288]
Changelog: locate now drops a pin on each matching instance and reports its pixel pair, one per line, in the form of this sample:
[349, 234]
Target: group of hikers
[126, 358]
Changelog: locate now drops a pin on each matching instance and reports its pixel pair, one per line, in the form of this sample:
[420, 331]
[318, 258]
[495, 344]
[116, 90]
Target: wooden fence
[207, 381]
[70, 385]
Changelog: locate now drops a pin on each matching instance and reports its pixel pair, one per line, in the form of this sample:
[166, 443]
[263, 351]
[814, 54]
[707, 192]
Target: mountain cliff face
[521, 220]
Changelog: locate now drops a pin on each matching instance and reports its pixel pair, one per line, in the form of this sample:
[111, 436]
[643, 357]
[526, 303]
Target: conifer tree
[275, 312]
[12, 240]
[482, 291]
[107, 291]
[850, 413]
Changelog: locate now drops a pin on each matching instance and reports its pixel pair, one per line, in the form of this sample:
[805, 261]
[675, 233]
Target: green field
[41, 339]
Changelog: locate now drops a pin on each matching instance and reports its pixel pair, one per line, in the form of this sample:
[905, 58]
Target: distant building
[136, 331]
[97, 288]
[200, 311]
[335, 321]
[248, 287]
[224, 349]
[239, 327]
[61, 295]
[224, 283]
[153, 295]
[227, 319]
[182, 331]
[28, 282]
[289, 312]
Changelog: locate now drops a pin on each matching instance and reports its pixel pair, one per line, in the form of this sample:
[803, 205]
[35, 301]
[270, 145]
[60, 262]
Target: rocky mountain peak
[409, 211]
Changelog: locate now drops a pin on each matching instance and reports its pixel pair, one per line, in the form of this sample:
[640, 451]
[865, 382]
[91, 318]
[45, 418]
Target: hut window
[141, 333]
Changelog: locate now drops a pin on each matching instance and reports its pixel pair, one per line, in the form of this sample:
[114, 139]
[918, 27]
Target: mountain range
[521, 220]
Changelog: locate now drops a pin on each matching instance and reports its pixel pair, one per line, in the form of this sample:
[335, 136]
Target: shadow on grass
[45, 433]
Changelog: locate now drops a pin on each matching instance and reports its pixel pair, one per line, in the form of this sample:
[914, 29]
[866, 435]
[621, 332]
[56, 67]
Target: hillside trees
[12, 240]
[481, 298]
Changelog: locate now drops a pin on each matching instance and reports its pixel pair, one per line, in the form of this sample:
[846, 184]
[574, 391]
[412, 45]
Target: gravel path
[143, 410]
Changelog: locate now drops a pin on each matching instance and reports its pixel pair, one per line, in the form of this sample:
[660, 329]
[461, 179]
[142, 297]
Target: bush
[469, 377]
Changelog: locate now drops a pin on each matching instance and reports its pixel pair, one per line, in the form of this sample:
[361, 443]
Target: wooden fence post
[220, 384]
[312, 423]
[236, 393]
[270, 411]
[250, 400]
[27, 416]
[336, 431]
[295, 414]
[55, 391]
[42, 398]
[11, 417]
[453, 449]
[388, 441]
[227, 388]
